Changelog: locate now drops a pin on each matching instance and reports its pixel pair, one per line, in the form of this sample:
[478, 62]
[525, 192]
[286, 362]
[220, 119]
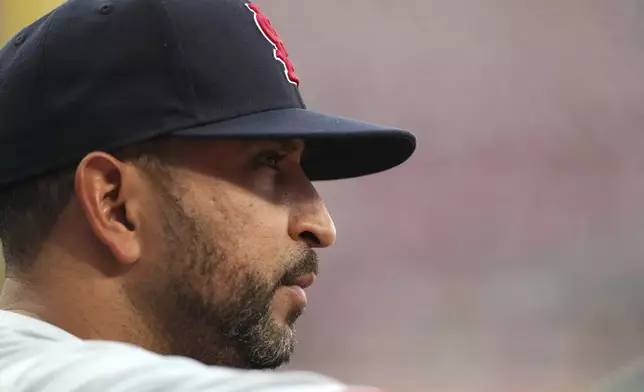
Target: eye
[271, 159]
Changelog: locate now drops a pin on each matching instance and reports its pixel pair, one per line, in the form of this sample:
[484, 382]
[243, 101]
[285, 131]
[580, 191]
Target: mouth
[296, 288]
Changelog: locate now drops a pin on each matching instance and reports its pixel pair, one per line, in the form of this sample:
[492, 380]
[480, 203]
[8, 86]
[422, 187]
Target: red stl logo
[279, 51]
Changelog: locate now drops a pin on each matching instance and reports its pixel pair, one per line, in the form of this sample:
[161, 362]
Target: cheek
[150, 228]
[260, 232]
[250, 230]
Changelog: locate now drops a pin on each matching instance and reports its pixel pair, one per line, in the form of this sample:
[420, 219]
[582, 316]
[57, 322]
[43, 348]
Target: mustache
[307, 263]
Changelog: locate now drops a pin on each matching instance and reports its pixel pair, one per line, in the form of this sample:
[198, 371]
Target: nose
[311, 223]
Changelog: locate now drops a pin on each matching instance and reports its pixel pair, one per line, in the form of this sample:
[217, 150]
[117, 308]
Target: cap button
[105, 9]
[19, 40]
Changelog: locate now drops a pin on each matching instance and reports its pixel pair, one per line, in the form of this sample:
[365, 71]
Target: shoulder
[36, 357]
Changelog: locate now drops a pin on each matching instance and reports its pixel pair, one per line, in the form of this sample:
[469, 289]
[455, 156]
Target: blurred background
[508, 254]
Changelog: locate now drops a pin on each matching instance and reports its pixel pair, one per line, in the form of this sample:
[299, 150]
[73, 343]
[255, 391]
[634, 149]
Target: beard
[205, 305]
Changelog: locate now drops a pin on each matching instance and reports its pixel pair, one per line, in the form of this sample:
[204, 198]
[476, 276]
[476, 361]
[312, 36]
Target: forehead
[212, 165]
[223, 157]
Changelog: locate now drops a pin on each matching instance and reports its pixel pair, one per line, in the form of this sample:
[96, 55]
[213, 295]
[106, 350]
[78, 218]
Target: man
[156, 210]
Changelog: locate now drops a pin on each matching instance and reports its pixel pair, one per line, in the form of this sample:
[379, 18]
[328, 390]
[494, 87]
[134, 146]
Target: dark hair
[28, 213]
[29, 210]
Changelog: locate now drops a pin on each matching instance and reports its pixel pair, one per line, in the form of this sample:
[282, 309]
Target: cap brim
[336, 147]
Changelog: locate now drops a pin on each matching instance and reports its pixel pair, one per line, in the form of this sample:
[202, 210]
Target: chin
[270, 344]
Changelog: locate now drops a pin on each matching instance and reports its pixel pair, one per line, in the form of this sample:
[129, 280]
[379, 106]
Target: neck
[92, 308]
[93, 305]
[18, 297]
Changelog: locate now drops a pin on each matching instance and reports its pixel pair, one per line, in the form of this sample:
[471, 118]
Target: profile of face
[225, 245]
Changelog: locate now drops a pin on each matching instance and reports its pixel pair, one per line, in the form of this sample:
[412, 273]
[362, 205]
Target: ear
[106, 189]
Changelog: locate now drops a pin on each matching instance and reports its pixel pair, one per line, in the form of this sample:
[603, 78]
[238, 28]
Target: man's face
[228, 249]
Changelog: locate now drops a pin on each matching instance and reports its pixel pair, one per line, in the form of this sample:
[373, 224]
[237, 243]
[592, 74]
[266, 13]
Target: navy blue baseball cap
[97, 75]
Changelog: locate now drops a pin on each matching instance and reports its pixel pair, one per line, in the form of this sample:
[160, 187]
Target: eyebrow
[290, 146]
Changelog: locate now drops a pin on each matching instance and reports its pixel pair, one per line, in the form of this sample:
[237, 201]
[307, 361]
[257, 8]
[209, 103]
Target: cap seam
[42, 68]
[184, 73]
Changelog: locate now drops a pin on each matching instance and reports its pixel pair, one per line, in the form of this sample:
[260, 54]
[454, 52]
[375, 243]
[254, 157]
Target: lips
[296, 287]
[303, 281]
